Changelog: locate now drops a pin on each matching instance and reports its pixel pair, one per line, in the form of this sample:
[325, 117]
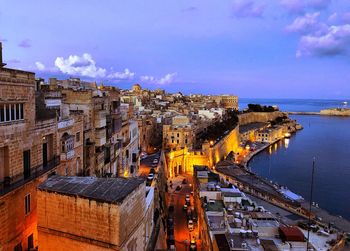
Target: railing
[35, 173]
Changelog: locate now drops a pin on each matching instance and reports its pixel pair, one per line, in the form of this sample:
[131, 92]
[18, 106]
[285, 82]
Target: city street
[177, 198]
[147, 164]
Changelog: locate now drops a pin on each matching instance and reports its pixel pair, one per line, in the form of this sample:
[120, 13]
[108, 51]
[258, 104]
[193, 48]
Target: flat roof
[251, 126]
[112, 190]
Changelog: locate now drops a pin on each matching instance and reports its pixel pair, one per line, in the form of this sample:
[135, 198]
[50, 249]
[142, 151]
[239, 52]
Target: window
[77, 137]
[18, 247]
[27, 204]
[11, 112]
[30, 242]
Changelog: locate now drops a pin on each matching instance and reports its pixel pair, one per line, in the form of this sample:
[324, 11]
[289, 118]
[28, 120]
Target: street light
[310, 208]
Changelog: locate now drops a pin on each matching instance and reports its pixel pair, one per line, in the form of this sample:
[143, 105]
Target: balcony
[100, 119]
[35, 173]
[65, 123]
[100, 137]
[67, 156]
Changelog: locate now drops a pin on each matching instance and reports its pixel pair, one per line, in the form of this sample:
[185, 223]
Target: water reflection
[286, 143]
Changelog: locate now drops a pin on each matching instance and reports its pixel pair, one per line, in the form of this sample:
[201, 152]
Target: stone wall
[183, 160]
[253, 117]
[69, 221]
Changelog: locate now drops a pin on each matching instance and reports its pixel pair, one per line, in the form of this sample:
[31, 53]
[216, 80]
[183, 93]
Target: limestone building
[28, 154]
[226, 101]
[89, 213]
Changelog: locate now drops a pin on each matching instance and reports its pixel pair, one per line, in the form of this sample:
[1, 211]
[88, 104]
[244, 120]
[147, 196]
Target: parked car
[187, 199]
[150, 176]
[190, 225]
[152, 171]
[185, 207]
[155, 161]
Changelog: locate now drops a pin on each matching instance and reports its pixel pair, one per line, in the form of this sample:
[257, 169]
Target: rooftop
[112, 190]
[251, 126]
[215, 205]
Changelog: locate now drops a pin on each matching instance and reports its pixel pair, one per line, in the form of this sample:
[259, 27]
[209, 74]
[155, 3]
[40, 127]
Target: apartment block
[28, 154]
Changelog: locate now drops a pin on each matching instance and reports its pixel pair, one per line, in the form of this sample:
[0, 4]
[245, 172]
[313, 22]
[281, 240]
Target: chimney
[1, 63]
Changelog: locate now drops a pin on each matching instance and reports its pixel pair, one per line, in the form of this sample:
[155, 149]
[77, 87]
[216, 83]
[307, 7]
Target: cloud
[40, 66]
[25, 43]
[167, 79]
[247, 8]
[300, 6]
[335, 42]
[307, 24]
[127, 74]
[80, 65]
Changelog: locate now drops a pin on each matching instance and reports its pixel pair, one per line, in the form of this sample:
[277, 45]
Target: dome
[136, 88]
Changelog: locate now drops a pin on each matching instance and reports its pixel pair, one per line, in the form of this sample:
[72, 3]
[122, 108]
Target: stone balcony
[100, 119]
[65, 123]
[100, 137]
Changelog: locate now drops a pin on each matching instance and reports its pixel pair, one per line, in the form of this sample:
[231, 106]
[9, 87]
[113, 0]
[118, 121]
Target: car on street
[190, 225]
[155, 161]
[152, 171]
[187, 198]
[188, 203]
[150, 176]
[185, 207]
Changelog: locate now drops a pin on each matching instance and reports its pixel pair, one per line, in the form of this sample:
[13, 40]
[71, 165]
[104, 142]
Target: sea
[325, 139]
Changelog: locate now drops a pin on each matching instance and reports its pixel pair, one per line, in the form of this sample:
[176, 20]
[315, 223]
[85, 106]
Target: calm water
[289, 162]
[295, 105]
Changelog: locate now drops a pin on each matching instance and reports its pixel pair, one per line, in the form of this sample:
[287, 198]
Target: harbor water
[289, 162]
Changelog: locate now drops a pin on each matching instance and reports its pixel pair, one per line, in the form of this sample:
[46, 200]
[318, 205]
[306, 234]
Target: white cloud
[40, 66]
[247, 8]
[127, 74]
[167, 79]
[307, 24]
[83, 66]
[335, 42]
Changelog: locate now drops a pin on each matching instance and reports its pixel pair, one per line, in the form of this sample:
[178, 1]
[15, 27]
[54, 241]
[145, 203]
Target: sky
[250, 48]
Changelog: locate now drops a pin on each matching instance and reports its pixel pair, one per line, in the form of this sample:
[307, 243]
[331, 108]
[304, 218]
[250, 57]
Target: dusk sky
[263, 49]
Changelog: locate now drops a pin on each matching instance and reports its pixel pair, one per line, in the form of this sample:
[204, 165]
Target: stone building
[28, 154]
[70, 132]
[130, 160]
[178, 134]
[226, 101]
[89, 213]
